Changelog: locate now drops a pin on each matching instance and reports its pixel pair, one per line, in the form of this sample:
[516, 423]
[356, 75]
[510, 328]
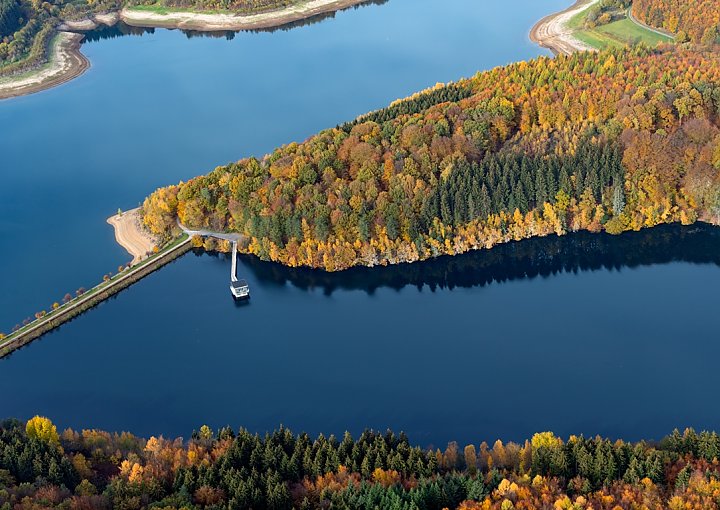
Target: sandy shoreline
[132, 235]
[551, 32]
[65, 63]
[228, 21]
[92, 23]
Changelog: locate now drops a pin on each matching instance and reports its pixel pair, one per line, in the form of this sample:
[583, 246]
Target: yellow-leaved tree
[43, 429]
[546, 440]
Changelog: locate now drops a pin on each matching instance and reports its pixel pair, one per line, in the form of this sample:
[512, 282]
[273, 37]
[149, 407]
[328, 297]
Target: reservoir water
[581, 334]
[159, 107]
[586, 334]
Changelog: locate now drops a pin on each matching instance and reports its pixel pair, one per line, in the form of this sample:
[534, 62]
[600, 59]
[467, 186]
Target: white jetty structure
[239, 288]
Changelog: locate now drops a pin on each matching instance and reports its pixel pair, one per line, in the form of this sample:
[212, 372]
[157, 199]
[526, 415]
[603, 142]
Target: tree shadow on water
[527, 259]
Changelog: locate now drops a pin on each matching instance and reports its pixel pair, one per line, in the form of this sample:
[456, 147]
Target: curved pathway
[639, 23]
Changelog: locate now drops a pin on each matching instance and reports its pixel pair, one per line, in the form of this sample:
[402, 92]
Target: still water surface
[582, 334]
[160, 107]
[587, 334]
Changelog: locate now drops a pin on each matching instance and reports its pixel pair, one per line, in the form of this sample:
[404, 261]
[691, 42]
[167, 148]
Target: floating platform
[239, 288]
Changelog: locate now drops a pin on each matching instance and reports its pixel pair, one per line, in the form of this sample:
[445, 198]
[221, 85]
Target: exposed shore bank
[131, 235]
[92, 23]
[552, 32]
[208, 22]
[65, 63]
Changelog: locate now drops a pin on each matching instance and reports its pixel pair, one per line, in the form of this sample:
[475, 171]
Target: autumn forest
[612, 141]
[91, 469]
[697, 21]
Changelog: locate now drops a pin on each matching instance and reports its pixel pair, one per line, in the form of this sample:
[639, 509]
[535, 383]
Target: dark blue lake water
[591, 334]
[615, 337]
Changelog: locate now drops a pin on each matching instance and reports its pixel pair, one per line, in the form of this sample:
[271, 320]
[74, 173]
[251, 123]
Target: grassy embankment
[616, 34]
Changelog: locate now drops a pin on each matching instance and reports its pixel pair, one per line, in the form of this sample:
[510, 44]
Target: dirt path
[66, 63]
[209, 22]
[132, 235]
[551, 32]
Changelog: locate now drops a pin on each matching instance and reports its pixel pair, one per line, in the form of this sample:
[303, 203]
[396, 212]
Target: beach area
[131, 234]
[552, 32]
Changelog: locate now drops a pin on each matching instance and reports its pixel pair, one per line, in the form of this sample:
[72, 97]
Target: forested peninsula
[227, 469]
[610, 141]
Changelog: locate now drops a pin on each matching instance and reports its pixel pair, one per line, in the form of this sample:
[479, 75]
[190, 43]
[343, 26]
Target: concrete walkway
[209, 233]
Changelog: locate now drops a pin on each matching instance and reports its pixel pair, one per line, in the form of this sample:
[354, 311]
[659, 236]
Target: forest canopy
[228, 469]
[10, 17]
[694, 20]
